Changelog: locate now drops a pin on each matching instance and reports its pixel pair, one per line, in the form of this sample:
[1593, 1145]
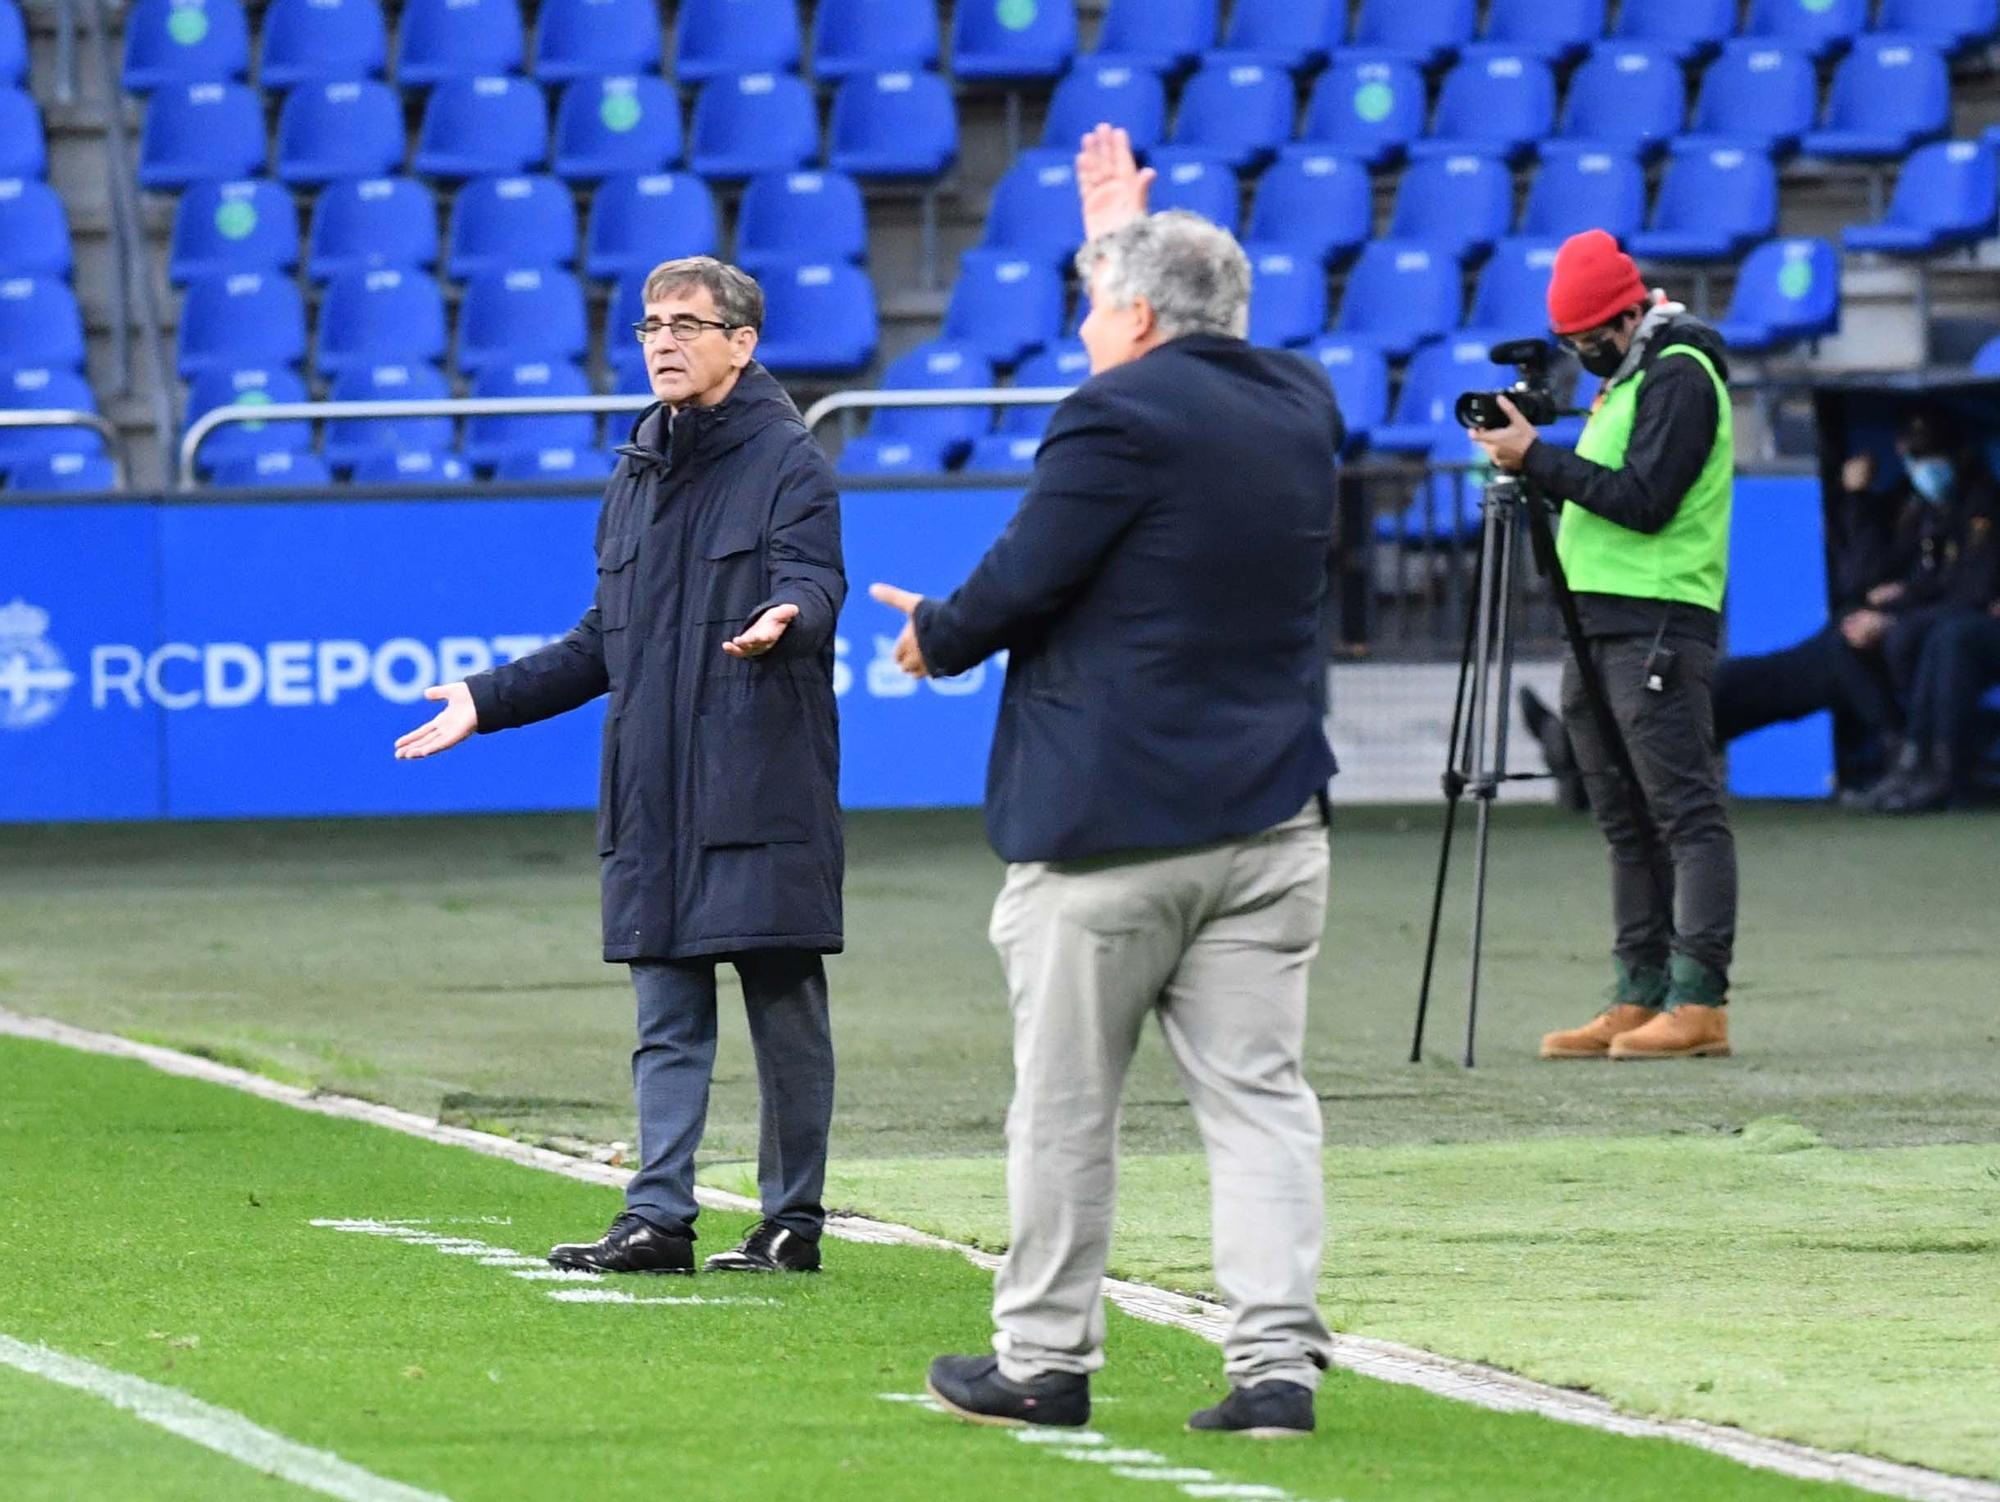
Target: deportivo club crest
[34, 679]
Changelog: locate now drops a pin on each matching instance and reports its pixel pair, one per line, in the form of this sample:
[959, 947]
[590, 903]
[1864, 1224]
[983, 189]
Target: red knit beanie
[1593, 282]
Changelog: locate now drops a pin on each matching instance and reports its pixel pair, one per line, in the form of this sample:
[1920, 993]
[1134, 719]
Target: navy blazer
[1159, 592]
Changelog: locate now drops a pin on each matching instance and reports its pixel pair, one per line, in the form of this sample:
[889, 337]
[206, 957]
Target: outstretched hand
[1110, 182]
[763, 634]
[458, 719]
[909, 655]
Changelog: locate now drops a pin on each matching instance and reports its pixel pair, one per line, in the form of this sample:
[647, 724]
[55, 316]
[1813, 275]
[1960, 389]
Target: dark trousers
[1961, 660]
[1676, 898]
[784, 998]
[1821, 672]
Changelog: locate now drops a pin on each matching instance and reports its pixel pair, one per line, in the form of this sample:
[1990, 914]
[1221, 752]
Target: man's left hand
[764, 632]
[909, 656]
[1507, 447]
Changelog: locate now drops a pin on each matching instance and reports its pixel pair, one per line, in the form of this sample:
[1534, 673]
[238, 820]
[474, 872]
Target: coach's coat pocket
[754, 770]
[615, 575]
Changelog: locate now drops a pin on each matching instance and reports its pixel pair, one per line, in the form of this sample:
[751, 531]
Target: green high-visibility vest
[1688, 560]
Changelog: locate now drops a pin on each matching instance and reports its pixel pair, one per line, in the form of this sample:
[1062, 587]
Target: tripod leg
[1500, 662]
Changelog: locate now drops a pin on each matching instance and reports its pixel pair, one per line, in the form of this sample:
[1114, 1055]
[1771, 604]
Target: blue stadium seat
[1400, 294]
[638, 221]
[23, 150]
[1431, 386]
[620, 126]
[1360, 376]
[1445, 506]
[40, 324]
[322, 41]
[940, 364]
[1687, 28]
[73, 472]
[184, 41]
[554, 464]
[820, 318]
[1063, 363]
[1004, 306]
[800, 216]
[40, 389]
[870, 455]
[1287, 296]
[1161, 36]
[394, 315]
[1424, 32]
[1788, 290]
[369, 223]
[596, 39]
[873, 36]
[281, 469]
[1625, 97]
[1946, 196]
[1987, 359]
[250, 225]
[1512, 297]
[1368, 107]
[488, 438]
[254, 386]
[899, 124]
[1557, 31]
[1457, 204]
[511, 317]
[1949, 25]
[1315, 202]
[751, 123]
[1034, 210]
[1198, 182]
[718, 38]
[1295, 35]
[194, 133]
[625, 355]
[13, 44]
[497, 222]
[1889, 94]
[1715, 201]
[354, 441]
[440, 39]
[329, 131]
[1002, 454]
[1011, 39]
[1583, 187]
[34, 230]
[1493, 100]
[1758, 95]
[1819, 28]
[1112, 93]
[412, 467]
[473, 127]
[1239, 112]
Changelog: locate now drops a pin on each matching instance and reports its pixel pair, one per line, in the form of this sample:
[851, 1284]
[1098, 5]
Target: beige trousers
[1216, 941]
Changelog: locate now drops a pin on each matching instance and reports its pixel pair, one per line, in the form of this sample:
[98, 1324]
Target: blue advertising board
[1777, 596]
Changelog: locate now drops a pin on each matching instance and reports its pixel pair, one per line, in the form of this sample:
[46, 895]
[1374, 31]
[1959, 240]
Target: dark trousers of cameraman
[1673, 902]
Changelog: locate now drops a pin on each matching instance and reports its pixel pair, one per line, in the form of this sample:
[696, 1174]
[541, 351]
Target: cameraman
[1645, 547]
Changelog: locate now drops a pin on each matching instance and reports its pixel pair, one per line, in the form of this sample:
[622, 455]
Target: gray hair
[737, 297]
[1193, 273]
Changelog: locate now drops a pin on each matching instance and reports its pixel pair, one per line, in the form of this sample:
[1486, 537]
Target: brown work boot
[1594, 1039]
[1687, 1032]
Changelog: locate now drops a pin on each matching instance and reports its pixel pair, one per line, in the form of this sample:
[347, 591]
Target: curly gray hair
[1193, 272]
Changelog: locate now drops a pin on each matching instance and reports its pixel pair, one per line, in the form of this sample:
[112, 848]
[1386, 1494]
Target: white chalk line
[217, 1429]
[1387, 1361]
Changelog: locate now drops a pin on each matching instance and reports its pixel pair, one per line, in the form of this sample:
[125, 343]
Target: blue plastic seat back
[1627, 96]
[1462, 203]
[818, 317]
[1757, 93]
[40, 324]
[322, 41]
[873, 36]
[393, 315]
[511, 221]
[411, 467]
[354, 440]
[1437, 374]
[1166, 36]
[1550, 29]
[1199, 183]
[279, 469]
[1287, 297]
[1238, 111]
[716, 38]
[476, 126]
[71, 472]
[1400, 293]
[1289, 34]
[371, 222]
[801, 216]
[1427, 32]
[1317, 203]
[1498, 99]
[196, 132]
[183, 42]
[1820, 27]
[1512, 297]
[637, 221]
[13, 44]
[246, 320]
[527, 313]
[487, 438]
[617, 126]
[1112, 93]
[1580, 189]
[867, 454]
[24, 150]
[1689, 28]
[247, 225]
[897, 124]
[554, 464]
[1791, 287]
[1003, 305]
[349, 128]
[42, 389]
[1894, 88]
[751, 123]
[1034, 210]
[1986, 361]
[442, 39]
[247, 387]
[1368, 107]
[1002, 454]
[596, 38]
[1359, 374]
[34, 230]
[940, 364]
[1064, 362]
[1948, 190]
[1948, 25]
[1012, 39]
[1724, 196]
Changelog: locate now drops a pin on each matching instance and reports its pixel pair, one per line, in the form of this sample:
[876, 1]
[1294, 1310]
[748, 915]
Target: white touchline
[218, 1429]
[613, 1296]
[1386, 1361]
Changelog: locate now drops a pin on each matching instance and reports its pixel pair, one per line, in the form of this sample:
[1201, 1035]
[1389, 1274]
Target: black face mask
[1602, 360]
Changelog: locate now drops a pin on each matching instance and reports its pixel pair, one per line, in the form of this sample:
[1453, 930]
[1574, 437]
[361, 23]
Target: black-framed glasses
[685, 327]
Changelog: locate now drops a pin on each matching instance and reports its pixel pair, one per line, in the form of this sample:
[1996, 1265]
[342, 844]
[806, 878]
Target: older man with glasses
[718, 581]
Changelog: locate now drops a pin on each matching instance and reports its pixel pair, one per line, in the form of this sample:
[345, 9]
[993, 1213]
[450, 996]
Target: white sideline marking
[613, 1296]
[1464, 1381]
[218, 1429]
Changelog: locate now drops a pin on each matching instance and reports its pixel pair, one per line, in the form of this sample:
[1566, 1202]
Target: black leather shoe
[632, 1245]
[972, 1388]
[1270, 1410]
[770, 1248]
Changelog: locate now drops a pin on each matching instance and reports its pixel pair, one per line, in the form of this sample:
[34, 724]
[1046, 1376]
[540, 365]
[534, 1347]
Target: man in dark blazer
[1157, 788]
[718, 582]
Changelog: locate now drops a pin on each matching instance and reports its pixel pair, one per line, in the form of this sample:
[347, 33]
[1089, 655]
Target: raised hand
[909, 656]
[453, 723]
[764, 632]
[1110, 182]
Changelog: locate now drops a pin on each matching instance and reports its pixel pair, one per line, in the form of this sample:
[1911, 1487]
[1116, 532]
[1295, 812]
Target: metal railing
[66, 417]
[969, 396]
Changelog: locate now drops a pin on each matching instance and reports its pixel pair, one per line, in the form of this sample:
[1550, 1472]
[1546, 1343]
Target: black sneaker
[1270, 1410]
[770, 1248]
[632, 1245]
[972, 1388]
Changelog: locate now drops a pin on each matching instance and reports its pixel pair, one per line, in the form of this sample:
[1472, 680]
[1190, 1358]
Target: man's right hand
[453, 723]
[1858, 473]
[1864, 629]
[1109, 181]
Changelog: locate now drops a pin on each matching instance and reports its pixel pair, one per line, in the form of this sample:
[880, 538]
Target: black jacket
[1945, 554]
[718, 807]
[1160, 592]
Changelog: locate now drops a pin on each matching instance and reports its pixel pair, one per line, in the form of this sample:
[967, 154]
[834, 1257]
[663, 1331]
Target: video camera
[1533, 394]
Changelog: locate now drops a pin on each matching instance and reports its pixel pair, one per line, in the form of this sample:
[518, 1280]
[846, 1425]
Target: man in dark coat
[718, 583]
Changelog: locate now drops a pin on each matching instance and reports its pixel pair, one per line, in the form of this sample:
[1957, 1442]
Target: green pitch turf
[163, 1227]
